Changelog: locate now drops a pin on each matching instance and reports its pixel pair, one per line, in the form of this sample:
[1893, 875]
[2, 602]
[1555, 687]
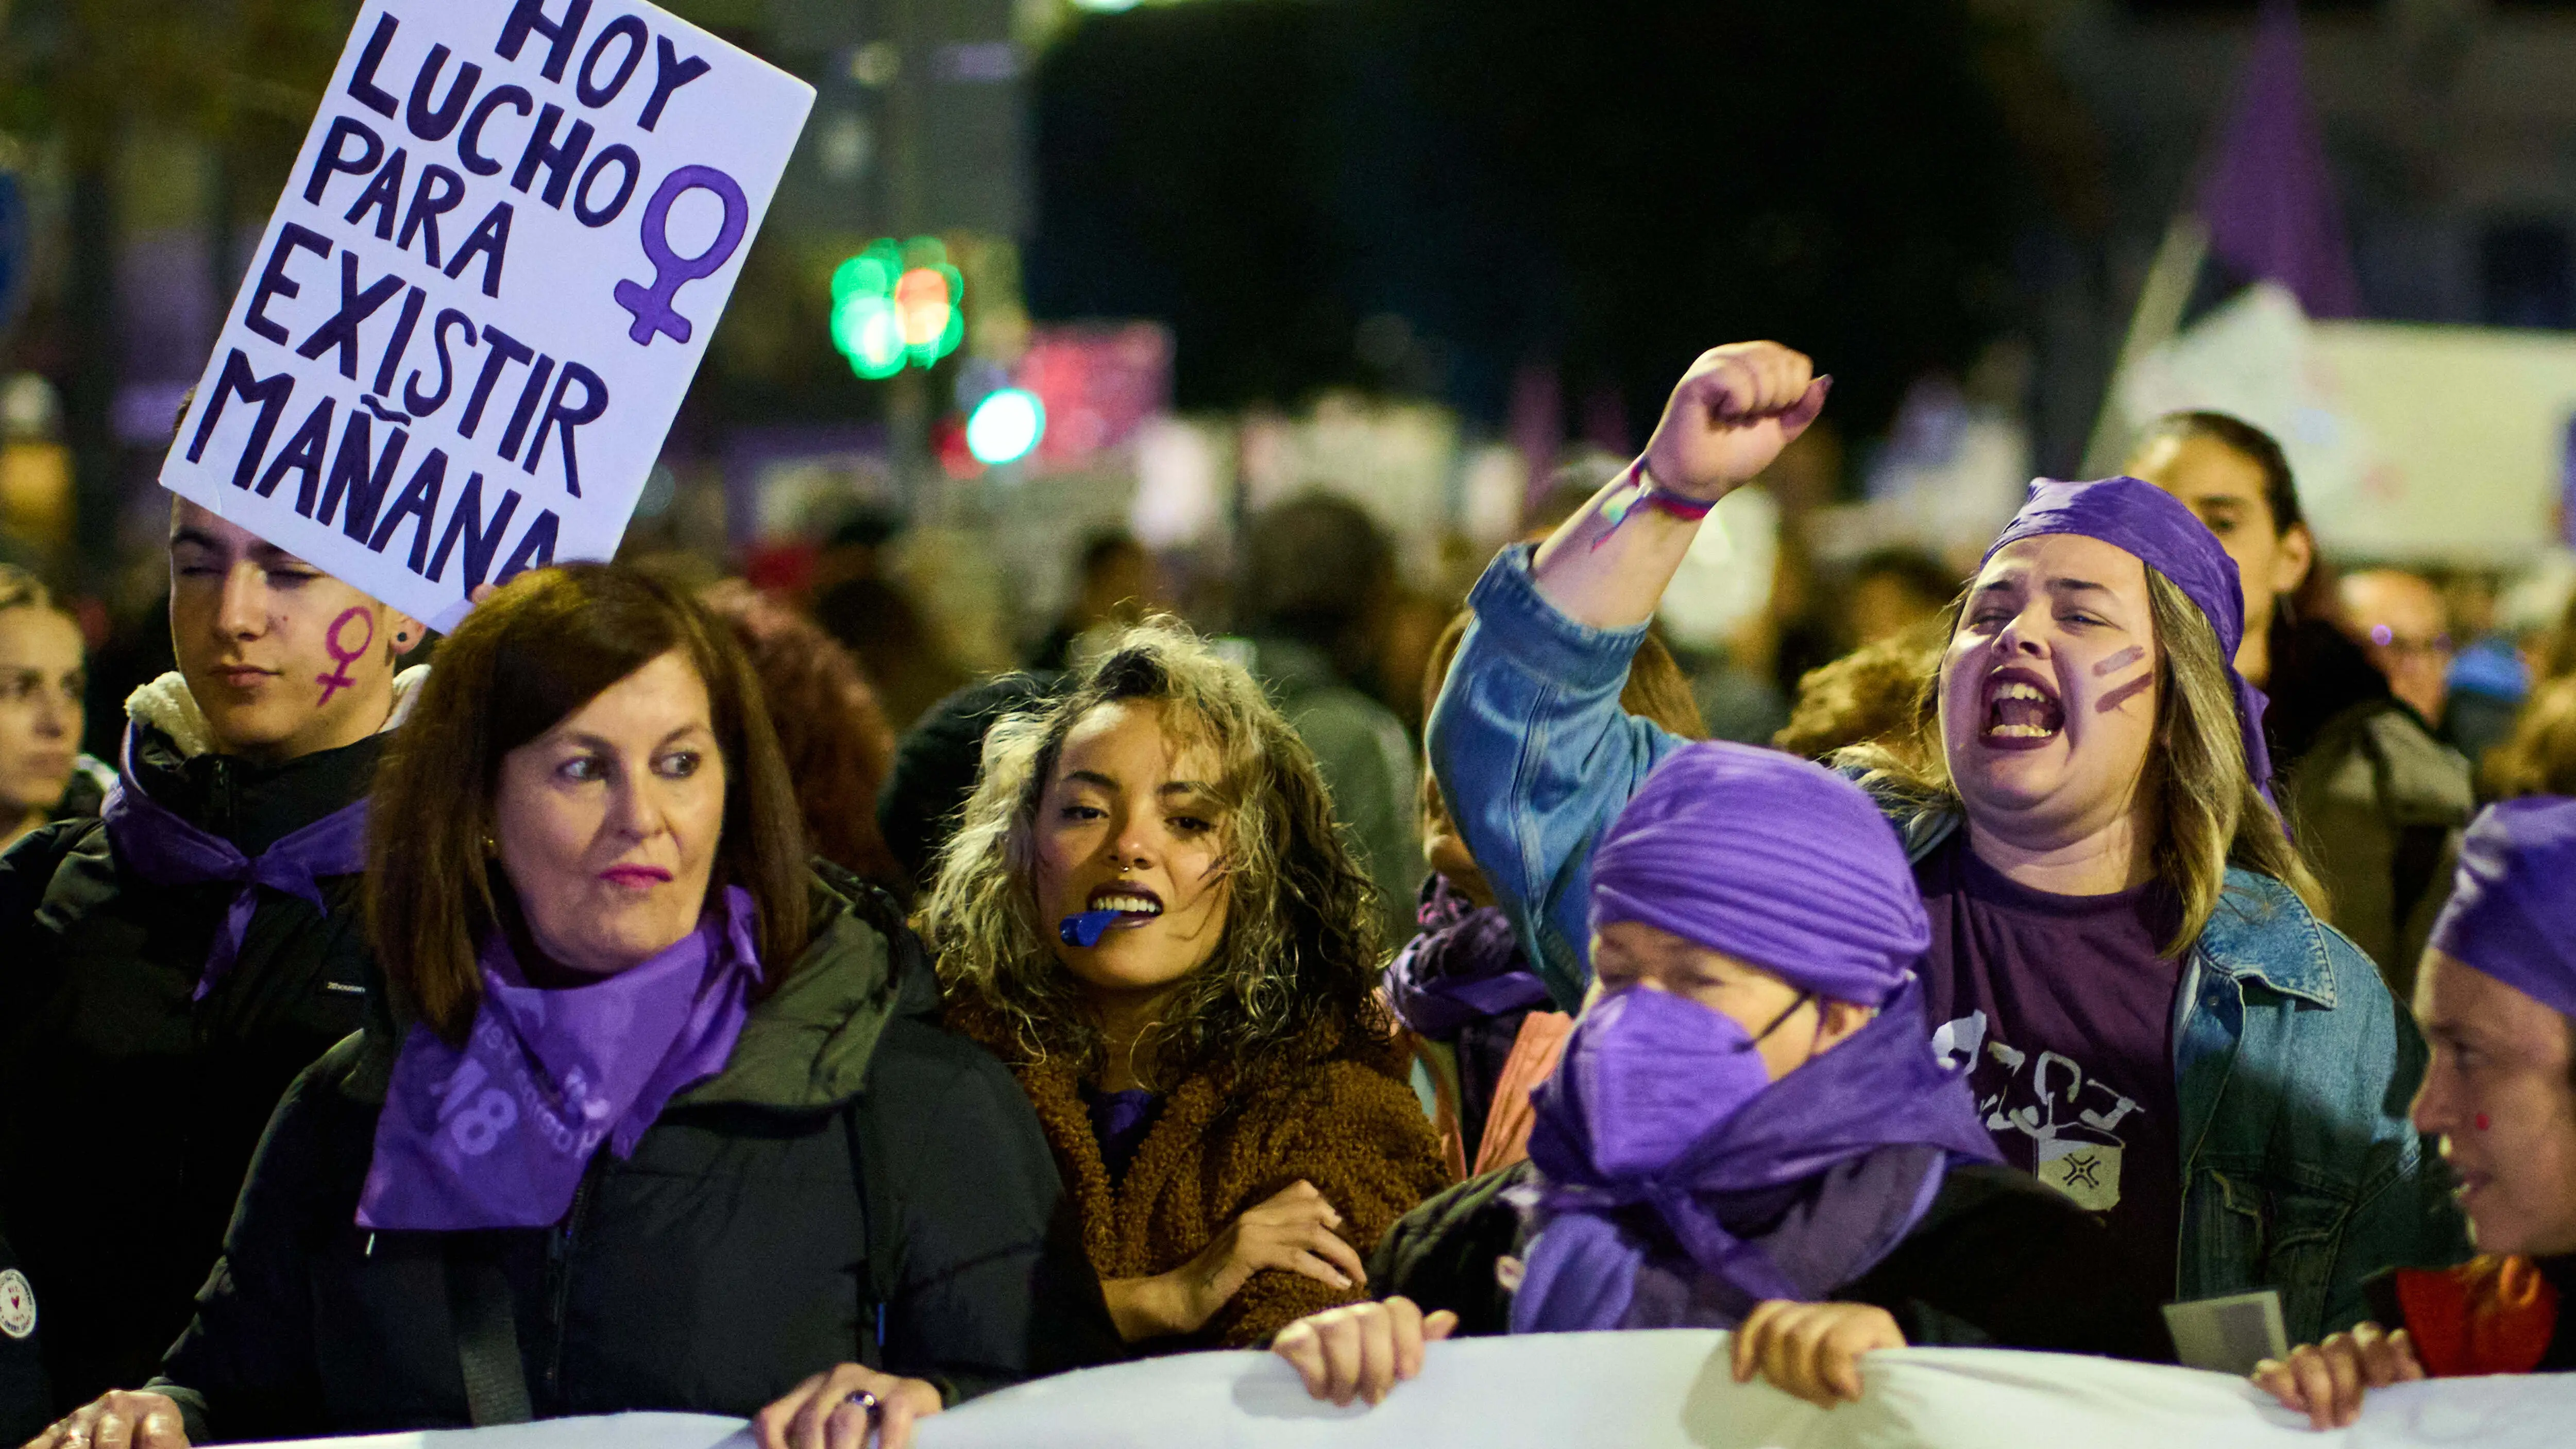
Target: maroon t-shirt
[2067, 1005]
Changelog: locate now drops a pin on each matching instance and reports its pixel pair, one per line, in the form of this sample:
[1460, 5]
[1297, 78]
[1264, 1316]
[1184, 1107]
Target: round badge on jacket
[17, 1304]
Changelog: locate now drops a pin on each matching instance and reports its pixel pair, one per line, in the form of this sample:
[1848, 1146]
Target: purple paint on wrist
[1086, 928]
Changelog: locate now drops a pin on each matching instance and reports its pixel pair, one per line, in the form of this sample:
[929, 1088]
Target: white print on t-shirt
[17, 1304]
[2075, 1147]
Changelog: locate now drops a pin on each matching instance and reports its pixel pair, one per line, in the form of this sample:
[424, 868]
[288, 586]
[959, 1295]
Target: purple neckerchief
[169, 851]
[496, 1134]
[1879, 1088]
[1466, 965]
[2162, 532]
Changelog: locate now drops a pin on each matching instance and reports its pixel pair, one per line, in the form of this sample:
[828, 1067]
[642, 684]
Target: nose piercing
[2481, 1120]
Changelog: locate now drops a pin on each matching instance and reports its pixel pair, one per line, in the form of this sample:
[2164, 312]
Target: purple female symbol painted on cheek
[651, 306]
[345, 656]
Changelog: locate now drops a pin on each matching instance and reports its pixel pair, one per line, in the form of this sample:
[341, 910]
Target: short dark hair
[1108, 544]
[2280, 489]
[1313, 568]
[542, 647]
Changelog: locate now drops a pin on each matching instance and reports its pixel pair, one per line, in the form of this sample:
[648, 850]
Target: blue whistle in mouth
[1086, 929]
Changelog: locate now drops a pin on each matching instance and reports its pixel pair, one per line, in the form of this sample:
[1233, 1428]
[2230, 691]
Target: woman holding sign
[2125, 949]
[1149, 913]
[658, 1118]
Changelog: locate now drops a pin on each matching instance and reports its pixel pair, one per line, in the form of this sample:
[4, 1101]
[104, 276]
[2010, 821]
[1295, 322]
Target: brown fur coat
[1226, 1142]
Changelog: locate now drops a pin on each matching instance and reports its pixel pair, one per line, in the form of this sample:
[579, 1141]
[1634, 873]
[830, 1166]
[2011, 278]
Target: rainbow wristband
[1647, 493]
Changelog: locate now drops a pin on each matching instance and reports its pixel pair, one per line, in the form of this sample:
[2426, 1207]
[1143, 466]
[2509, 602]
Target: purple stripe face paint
[2126, 692]
[2120, 661]
[1086, 929]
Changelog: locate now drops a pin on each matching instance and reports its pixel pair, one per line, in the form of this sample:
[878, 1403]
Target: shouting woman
[2124, 946]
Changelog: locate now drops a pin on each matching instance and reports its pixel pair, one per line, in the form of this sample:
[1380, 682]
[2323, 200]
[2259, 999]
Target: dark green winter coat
[857, 1185]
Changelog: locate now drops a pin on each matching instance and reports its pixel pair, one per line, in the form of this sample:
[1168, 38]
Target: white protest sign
[492, 274]
[2410, 442]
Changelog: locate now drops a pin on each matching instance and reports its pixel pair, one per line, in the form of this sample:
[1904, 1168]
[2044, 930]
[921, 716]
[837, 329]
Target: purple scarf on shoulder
[1466, 965]
[496, 1134]
[1880, 1089]
[169, 851]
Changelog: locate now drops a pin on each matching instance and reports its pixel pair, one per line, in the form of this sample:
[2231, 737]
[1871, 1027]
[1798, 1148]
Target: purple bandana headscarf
[1786, 865]
[496, 1134]
[2163, 533]
[1771, 859]
[2512, 912]
[168, 851]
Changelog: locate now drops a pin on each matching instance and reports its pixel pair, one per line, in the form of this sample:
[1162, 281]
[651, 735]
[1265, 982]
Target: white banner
[2411, 443]
[1659, 1390]
[492, 274]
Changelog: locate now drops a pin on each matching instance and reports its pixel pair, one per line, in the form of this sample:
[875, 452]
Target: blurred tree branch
[240, 75]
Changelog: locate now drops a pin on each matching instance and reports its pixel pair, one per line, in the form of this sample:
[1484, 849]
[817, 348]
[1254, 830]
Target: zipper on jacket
[219, 797]
[559, 1246]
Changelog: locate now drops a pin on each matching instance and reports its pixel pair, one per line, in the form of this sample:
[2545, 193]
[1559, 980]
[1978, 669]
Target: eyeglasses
[2438, 646]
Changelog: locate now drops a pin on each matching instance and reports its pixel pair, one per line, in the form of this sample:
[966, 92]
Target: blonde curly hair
[1294, 976]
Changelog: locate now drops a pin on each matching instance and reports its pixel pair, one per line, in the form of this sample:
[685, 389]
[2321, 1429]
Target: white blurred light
[1005, 426]
[1104, 7]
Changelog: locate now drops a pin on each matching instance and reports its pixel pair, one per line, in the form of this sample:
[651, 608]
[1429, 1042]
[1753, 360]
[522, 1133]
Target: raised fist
[1730, 415]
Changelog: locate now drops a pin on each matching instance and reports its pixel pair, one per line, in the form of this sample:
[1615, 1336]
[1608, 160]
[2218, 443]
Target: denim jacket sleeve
[1535, 758]
[2294, 1071]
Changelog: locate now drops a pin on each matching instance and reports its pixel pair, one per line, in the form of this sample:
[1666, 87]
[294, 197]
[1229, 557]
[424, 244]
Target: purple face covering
[1655, 1073]
[1878, 1089]
[1772, 860]
[168, 851]
[496, 1135]
[2512, 912]
[2156, 527]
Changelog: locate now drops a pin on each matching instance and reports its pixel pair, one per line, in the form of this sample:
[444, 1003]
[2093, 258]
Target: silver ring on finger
[867, 1403]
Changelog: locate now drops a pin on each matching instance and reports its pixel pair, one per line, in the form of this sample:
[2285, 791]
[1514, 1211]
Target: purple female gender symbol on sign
[651, 306]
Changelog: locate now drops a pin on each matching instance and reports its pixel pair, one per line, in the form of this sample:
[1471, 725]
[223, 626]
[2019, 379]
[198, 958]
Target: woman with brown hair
[1151, 915]
[42, 672]
[589, 891]
[831, 729]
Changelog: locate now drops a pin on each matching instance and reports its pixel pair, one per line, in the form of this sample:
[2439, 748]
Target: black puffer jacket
[1996, 1260]
[127, 1111]
[853, 1166]
[25, 1404]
